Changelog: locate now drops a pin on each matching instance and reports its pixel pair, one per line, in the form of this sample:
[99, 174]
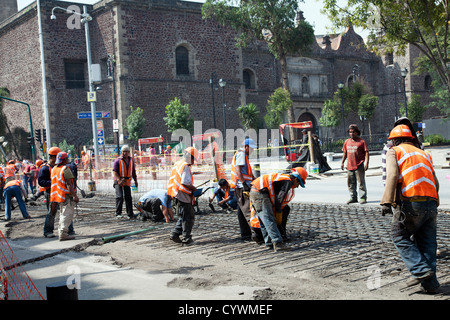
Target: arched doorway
[306, 116]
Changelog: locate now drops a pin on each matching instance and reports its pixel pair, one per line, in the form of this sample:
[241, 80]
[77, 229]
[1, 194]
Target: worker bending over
[269, 195]
[150, 206]
[181, 188]
[225, 195]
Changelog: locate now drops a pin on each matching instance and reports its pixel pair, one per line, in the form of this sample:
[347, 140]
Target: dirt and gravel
[337, 252]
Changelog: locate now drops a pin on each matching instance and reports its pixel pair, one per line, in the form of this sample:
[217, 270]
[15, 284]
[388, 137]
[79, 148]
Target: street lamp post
[222, 84]
[404, 72]
[85, 19]
[340, 87]
[212, 80]
[110, 64]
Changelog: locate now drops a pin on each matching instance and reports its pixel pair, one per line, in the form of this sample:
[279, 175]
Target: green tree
[135, 124]
[394, 24]
[178, 116]
[366, 108]
[271, 21]
[249, 115]
[279, 102]
[415, 109]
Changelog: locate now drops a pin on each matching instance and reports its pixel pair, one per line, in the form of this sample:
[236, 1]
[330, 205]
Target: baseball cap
[60, 157]
[249, 142]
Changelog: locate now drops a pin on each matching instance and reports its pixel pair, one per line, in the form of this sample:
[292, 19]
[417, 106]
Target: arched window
[249, 79]
[427, 83]
[182, 60]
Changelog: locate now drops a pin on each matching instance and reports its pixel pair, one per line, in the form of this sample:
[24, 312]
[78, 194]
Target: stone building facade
[163, 49]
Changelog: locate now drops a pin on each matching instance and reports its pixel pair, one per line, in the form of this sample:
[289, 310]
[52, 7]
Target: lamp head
[53, 17]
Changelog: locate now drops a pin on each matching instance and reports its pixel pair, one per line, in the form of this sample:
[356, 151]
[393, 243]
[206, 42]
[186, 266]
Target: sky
[311, 12]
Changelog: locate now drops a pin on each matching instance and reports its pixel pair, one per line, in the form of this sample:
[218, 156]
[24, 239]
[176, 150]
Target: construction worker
[124, 169]
[225, 195]
[10, 171]
[411, 195]
[269, 195]
[14, 188]
[63, 195]
[150, 206]
[181, 188]
[242, 176]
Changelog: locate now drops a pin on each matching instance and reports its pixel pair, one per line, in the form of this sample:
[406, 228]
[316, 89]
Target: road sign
[99, 114]
[100, 141]
[92, 96]
[116, 125]
[99, 133]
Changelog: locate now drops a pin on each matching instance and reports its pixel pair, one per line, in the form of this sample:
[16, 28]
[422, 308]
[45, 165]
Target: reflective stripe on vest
[174, 185]
[234, 176]
[126, 171]
[266, 181]
[231, 188]
[415, 172]
[10, 171]
[13, 183]
[59, 189]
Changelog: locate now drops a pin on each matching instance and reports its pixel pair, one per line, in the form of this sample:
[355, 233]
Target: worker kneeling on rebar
[269, 195]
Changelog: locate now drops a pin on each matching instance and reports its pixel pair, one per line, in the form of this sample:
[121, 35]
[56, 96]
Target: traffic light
[44, 135]
[37, 133]
[30, 140]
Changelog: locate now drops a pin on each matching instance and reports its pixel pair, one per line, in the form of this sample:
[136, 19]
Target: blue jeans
[28, 181]
[263, 207]
[231, 203]
[17, 193]
[413, 232]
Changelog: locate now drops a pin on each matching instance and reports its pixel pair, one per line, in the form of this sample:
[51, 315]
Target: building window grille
[182, 60]
[74, 72]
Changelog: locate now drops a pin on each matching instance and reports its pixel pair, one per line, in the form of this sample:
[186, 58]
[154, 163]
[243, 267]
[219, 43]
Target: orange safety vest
[415, 172]
[126, 171]
[232, 187]
[59, 188]
[266, 181]
[10, 171]
[234, 176]
[13, 183]
[175, 185]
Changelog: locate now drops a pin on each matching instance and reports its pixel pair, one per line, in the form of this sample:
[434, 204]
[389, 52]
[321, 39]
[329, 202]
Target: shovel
[82, 192]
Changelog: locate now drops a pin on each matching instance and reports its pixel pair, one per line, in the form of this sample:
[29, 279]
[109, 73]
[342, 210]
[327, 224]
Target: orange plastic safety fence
[15, 284]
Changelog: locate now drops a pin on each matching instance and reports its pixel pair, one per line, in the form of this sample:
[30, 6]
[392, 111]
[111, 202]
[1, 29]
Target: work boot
[49, 235]
[66, 237]
[279, 246]
[363, 200]
[187, 241]
[352, 200]
[417, 280]
[175, 238]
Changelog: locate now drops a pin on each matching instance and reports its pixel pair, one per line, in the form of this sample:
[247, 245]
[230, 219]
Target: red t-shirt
[356, 152]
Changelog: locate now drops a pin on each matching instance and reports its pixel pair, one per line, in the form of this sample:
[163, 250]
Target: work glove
[386, 209]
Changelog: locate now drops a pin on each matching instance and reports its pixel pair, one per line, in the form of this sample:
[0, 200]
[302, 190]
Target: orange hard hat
[193, 152]
[39, 162]
[301, 174]
[53, 151]
[401, 131]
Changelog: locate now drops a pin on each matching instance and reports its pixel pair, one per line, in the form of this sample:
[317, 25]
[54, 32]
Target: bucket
[134, 189]
[91, 185]
[314, 168]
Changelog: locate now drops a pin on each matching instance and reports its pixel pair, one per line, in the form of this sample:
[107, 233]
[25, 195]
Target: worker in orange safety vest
[269, 195]
[181, 188]
[411, 195]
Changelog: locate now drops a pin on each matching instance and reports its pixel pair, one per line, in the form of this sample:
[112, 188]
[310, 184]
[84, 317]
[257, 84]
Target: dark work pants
[243, 213]
[153, 209]
[186, 219]
[123, 193]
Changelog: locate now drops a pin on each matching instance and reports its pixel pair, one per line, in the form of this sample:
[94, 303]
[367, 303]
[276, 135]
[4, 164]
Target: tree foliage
[415, 109]
[271, 21]
[178, 116]
[249, 115]
[279, 102]
[396, 23]
[135, 123]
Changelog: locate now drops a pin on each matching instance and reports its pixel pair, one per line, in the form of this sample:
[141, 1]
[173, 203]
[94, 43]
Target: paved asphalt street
[101, 280]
